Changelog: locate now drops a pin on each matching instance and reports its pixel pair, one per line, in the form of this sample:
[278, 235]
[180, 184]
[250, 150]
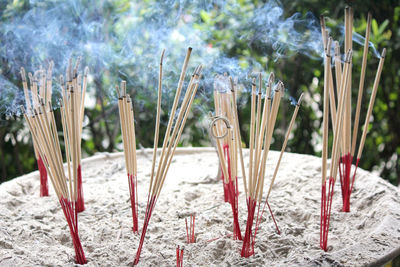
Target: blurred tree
[220, 27]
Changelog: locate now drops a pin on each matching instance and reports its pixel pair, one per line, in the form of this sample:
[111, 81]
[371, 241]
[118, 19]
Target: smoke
[359, 39]
[128, 45]
[10, 98]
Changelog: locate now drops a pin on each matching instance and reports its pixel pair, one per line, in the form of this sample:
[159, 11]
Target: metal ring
[225, 120]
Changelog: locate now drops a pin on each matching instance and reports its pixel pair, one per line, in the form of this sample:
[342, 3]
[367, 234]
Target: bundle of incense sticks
[42, 125]
[225, 130]
[262, 124]
[40, 85]
[128, 137]
[223, 107]
[172, 136]
[72, 112]
[343, 146]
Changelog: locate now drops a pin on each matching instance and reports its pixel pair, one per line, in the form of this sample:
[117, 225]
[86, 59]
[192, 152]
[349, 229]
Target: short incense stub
[179, 257]
[190, 234]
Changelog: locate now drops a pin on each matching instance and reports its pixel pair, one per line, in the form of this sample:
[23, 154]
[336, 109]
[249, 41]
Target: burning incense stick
[42, 125]
[348, 141]
[129, 140]
[221, 100]
[346, 159]
[73, 92]
[344, 144]
[45, 90]
[262, 123]
[227, 142]
[170, 142]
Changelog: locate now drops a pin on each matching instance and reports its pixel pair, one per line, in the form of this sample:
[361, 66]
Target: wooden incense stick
[361, 85]
[371, 105]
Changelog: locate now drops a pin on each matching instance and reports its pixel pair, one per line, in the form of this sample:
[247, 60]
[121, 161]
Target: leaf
[383, 26]
[205, 17]
[375, 28]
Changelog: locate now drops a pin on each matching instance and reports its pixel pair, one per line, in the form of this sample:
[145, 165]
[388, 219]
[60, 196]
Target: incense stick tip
[383, 53]
[300, 99]
[322, 19]
[328, 47]
[162, 56]
[369, 17]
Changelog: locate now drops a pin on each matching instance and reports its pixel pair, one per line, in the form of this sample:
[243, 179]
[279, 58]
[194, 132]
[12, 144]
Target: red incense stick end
[80, 203]
[179, 257]
[44, 189]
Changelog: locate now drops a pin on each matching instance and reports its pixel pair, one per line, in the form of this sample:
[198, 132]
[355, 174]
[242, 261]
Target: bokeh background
[123, 40]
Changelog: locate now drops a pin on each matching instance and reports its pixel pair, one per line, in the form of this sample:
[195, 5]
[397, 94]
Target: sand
[34, 232]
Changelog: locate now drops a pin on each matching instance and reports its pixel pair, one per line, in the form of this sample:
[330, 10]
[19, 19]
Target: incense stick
[227, 142]
[361, 85]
